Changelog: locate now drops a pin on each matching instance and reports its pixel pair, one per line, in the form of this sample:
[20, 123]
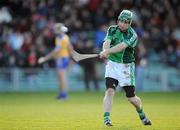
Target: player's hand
[104, 54]
[41, 60]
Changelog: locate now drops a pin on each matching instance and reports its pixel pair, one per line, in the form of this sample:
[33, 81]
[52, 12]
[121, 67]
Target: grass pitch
[83, 111]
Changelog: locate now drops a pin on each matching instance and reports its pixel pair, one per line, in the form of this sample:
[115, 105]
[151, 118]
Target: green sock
[141, 113]
[106, 116]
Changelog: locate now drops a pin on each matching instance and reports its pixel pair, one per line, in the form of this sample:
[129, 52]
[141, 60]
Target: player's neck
[123, 31]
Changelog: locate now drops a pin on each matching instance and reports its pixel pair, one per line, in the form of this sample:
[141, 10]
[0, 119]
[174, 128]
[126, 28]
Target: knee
[110, 92]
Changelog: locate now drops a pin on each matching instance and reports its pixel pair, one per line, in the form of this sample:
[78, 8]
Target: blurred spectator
[171, 56]
[32, 59]
[141, 63]
[16, 40]
[5, 15]
[156, 23]
[89, 65]
[100, 35]
[178, 56]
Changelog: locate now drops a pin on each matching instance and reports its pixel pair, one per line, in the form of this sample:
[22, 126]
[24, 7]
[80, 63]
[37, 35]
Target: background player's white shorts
[124, 73]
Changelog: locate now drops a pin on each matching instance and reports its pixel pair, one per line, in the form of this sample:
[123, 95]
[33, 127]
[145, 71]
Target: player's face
[123, 24]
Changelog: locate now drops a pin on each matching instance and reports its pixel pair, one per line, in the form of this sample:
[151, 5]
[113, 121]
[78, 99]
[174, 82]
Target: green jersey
[117, 37]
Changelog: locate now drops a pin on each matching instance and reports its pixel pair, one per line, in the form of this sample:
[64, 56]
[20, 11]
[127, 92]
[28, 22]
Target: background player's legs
[136, 102]
[95, 78]
[62, 83]
[95, 81]
[86, 78]
[62, 66]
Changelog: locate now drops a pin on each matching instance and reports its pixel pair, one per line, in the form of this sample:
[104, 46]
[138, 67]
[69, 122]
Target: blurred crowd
[26, 28]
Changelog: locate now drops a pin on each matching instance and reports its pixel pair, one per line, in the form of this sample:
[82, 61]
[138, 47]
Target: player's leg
[108, 99]
[86, 77]
[95, 77]
[62, 75]
[136, 102]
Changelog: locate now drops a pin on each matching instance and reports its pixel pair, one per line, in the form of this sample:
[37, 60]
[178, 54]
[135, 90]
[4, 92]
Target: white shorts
[124, 73]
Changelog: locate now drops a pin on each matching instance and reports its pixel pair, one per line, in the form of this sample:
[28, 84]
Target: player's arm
[107, 40]
[131, 42]
[115, 49]
[106, 44]
[49, 56]
[118, 48]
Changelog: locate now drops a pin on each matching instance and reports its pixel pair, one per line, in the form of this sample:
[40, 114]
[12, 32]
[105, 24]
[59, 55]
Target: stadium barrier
[147, 79]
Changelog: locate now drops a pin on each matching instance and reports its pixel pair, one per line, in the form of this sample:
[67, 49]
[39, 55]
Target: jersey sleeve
[131, 41]
[109, 34]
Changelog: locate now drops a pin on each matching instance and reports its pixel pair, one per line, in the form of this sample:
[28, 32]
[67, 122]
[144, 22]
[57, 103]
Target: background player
[61, 53]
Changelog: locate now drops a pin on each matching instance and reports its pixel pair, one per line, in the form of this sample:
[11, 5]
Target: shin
[136, 102]
[108, 99]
